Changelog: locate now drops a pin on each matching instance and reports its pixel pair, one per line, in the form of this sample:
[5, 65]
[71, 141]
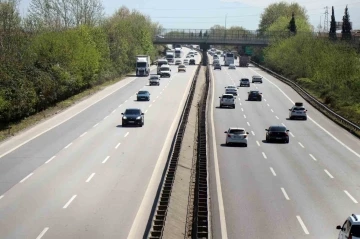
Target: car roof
[165, 66]
[132, 109]
[254, 91]
[355, 219]
[256, 76]
[143, 91]
[231, 86]
[277, 127]
[244, 79]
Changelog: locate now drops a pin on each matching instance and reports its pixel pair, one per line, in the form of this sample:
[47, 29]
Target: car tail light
[245, 136]
[229, 135]
[305, 111]
[294, 111]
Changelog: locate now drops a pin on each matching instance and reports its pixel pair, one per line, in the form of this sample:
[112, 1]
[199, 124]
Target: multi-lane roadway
[89, 177]
[303, 189]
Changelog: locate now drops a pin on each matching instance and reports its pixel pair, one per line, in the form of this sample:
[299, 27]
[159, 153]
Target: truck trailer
[170, 56]
[244, 61]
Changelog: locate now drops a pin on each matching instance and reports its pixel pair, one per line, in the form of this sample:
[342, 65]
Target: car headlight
[124, 117]
[139, 117]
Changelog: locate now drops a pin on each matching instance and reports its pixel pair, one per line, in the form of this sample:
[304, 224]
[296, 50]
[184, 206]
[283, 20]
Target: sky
[203, 14]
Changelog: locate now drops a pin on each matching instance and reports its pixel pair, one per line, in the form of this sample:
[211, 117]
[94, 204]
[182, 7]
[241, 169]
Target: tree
[206, 34]
[292, 24]
[346, 26]
[200, 34]
[332, 32]
[276, 10]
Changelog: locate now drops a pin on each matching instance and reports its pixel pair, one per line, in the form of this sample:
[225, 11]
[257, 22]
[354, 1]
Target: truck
[170, 56]
[161, 62]
[142, 65]
[244, 61]
[229, 58]
[178, 53]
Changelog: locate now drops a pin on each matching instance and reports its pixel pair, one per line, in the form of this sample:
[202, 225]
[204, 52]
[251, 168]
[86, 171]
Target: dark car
[192, 62]
[217, 66]
[143, 95]
[254, 95]
[277, 133]
[133, 116]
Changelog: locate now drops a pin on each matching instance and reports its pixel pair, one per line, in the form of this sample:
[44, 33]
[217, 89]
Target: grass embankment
[328, 70]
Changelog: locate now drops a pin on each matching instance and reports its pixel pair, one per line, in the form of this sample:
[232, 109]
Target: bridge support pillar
[204, 47]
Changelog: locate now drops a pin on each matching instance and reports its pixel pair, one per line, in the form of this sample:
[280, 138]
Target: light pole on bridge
[225, 26]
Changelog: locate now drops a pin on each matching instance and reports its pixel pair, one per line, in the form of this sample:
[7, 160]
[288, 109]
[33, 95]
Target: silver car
[236, 136]
[232, 66]
[298, 111]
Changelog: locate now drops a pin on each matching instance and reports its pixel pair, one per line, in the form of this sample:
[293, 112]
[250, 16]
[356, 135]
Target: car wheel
[290, 118]
[245, 145]
[123, 124]
[233, 106]
[305, 118]
[221, 105]
[287, 141]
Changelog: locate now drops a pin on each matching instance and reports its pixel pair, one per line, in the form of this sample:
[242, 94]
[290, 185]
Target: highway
[89, 177]
[303, 189]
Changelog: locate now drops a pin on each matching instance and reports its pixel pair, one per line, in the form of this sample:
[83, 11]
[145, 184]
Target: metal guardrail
[347, 124]
[201, 204]
[163, 199]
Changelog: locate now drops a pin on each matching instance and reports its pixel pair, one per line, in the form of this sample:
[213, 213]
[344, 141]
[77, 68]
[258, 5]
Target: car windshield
[132, 112]
[141, 64]
[160, 63]
[355, 231]
[164, 68]
[227, 96]
[154, 77]
[257, 77]
[254, 92]
[277, 129]
[236, 131]
[231, 87]
[142, 92]
[181, 66]
[244, 79]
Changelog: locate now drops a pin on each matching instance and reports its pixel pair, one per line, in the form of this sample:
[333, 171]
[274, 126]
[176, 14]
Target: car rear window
[355, 231]
[227, 96]
[237, 131]
[142, 92]
[132, 112]
[277, 128]
[299, 108]
[244, 79]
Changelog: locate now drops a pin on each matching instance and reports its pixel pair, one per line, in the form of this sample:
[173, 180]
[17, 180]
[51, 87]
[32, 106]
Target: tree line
[63, 47]
[327, 67]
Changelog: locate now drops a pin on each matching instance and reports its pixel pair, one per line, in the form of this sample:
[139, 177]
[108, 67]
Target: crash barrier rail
[167, 181]
[201, 203]
[345, 123]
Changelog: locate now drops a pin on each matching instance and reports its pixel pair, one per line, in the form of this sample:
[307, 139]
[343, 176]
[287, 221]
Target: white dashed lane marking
[264, 155]
[67, 146]
[302, 225]
[83, 134]
[106, 159]
[312, 157]
[351, 197]
[68, 203]
[257, 142]
[42, 233]
[285, 194]
[48, 161]
[272, 171]
[302, 146]
[329, 174]
[90, 177]
[24, 179]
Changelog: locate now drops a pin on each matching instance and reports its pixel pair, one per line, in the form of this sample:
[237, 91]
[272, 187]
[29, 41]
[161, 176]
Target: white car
[165, 71]
[257, 79]
[227, 100]
[298, 111]
[244, 82]
[231, 86]
[350, 228]
[232, 66]
[236, 136]
[186, 61]
[216, 61]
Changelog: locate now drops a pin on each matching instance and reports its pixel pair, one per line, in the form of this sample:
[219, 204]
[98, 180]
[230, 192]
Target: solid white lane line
[252, 132]
[83, 134]
[285, 194]
[42, 233]
[292, 135]
[264, 155]
[48, 161]
[154, 101]
[126, 134]
[264, 99]
[106, 117]
[268, 105]
[245, 116]
[90, 177]
[312, 157]
[95, 125]
[120, 105]
[272, 171]
[24, 179]
[150, 105]
[68, 203]
[284, 125]
[329, 174]
[351, 197]
[125, 100]
[113, 111]
[248, 123]
[242, 109]
[258, 143]
[302, 146]
[106, 159]
[316, 123]
[240, 103]
[302, 225]
[117, 146]
[272, 110]
[145, 111]
[276, 117]
[67, 146]
[1, 196]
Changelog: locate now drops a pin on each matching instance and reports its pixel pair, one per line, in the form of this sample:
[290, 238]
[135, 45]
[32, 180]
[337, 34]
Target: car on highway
[244, 82]
[231, 86]
[351, 228]
[143, 95]
[217, 66]
[277, 133]
[186, 61]
[188, 56]
[192, 62]
[232, 91]
[195, 53]
[236, 136]
[182, 68]
[227, 100]
[133, 116]
[254, 95]
[298, 111]
[178, 62]
[216, 61]
[165, 71]
[256, 79]
[216, 57]
[154, 79]
[232, 67]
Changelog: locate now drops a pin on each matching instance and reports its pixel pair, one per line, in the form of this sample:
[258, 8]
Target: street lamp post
[225, 25]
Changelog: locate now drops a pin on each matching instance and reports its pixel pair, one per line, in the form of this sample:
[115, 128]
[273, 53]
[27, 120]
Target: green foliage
[327, 69]
[332, 32]
[346, 26]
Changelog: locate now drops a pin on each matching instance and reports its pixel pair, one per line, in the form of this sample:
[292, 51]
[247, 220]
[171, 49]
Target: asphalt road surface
[303, 189]
[89, 177]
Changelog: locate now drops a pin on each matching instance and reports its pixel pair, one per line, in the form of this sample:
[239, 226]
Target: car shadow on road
[233, 145]
[273, 142]
[218, 107]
